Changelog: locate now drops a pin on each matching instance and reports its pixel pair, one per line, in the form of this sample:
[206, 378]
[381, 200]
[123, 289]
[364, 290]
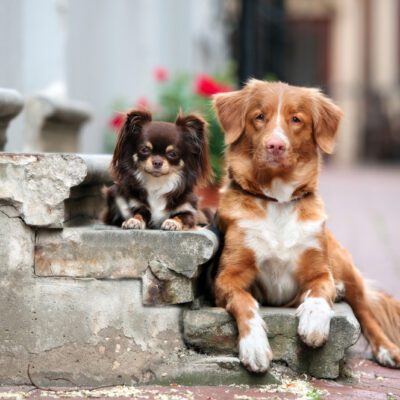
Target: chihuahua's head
[157, 149]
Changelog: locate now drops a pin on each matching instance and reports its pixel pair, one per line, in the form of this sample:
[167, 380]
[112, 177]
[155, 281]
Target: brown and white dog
[156, 166]
[277, 249]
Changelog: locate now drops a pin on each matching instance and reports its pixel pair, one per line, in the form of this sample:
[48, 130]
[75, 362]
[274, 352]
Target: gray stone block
[34, 186]
[54, 125]
[76, 332]
[11, 103]
[167, 261]
[214, 331]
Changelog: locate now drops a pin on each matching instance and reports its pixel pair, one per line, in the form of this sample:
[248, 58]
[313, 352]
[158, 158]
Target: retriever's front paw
[133, 223]
[314, 321]
[254, 349]
[171, 225]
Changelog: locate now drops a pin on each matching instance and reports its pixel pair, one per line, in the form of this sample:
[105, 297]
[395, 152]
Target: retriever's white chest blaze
[277, 242]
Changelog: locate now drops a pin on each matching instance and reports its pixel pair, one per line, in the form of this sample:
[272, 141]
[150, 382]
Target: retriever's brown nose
[276, 146]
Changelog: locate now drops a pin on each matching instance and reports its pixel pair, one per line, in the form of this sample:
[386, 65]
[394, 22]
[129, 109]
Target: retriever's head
[273, 129]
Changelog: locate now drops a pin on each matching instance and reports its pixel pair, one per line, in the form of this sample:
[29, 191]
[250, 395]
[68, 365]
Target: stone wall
[71, 297]
[83, 304]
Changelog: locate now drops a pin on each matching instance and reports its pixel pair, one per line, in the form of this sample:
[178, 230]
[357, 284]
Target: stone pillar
[54, 125]
[348, 75]
[384, 44]
[11, 103]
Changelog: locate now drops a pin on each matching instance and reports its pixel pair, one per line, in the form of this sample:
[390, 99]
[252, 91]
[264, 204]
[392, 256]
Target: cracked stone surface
[36, 185]
[76, 332]
[167, 261]
[212, 330]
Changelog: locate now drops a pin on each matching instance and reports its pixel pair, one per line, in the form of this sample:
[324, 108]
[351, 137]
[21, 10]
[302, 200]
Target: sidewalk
[363, 206]
[371, 382]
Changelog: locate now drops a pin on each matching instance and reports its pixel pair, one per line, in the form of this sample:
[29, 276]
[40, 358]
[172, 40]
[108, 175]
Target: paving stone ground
[369, 382]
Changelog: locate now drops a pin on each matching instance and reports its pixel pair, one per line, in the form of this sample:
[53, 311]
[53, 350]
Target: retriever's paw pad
[314, 321]
[171, 225]
[133, 223]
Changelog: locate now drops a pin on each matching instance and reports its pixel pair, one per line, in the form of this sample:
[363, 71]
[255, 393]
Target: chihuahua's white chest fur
[157, 188]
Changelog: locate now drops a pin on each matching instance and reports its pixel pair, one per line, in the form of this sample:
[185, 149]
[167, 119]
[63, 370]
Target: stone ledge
[54, 124]
[11, 103]
[213, 331]
[167, 262]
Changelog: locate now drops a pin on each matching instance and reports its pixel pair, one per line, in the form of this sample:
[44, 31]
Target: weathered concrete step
[213, 331]
[167, 262]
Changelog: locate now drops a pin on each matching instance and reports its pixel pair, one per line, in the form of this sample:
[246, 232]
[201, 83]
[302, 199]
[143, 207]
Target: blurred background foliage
[180, 92]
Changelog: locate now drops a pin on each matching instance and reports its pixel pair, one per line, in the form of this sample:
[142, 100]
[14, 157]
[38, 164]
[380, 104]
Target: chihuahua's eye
[145, 151]
[260, 117]
[295, 120]
[172, 154]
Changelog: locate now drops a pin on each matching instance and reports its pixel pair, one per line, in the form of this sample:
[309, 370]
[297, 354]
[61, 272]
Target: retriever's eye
[260, 117]
[296, 120]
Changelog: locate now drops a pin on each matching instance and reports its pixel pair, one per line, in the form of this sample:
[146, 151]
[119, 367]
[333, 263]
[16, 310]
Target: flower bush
[186, 93]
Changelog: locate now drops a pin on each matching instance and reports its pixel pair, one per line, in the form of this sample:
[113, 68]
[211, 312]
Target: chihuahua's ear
[326, 119]
[127, 137]
[194, 128]
[230, 110]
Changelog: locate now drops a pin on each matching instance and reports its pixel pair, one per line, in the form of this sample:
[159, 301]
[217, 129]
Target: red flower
[160, 74]
[116, 121]
[142, 102]
[207, 86]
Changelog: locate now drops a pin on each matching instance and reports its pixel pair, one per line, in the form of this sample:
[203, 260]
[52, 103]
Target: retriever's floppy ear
[326, 118]
[230, 110]
[126, 141]
[195, 132]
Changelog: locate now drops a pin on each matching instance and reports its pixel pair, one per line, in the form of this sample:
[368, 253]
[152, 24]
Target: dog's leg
[179, 222]
[317, 294]
[378, 313]
[379, 317]
[139, 219]
[237, 272]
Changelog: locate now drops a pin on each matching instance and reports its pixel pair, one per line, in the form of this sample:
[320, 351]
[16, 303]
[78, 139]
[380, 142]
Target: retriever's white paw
[133, 223]
[171, 225]
[314, 321]
[254, 349]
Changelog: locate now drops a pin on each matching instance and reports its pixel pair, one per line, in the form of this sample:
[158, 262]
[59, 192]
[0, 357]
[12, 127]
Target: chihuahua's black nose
[157, 162]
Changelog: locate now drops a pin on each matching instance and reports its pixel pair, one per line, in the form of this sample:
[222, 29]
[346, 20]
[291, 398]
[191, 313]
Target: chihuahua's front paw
[171, 225]
[133, 223]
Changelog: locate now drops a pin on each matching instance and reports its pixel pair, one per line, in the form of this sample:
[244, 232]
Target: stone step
[167, 262]
[213, 331]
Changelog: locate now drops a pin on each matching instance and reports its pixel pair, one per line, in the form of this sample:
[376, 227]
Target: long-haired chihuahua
[155, 167]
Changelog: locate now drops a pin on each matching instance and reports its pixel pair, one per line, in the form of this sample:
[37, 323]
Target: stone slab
[167, 262]
[213, 330]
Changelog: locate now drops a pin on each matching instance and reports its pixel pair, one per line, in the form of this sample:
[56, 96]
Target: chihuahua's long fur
[155, 167]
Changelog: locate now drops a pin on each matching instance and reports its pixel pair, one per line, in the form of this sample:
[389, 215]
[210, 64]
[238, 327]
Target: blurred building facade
[99, 51]
[349, 48]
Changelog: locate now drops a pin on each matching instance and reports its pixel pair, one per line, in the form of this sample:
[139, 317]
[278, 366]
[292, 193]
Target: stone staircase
[83, 304]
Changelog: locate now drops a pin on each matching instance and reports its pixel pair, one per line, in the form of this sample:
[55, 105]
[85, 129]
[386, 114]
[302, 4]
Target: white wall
[104, 50]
